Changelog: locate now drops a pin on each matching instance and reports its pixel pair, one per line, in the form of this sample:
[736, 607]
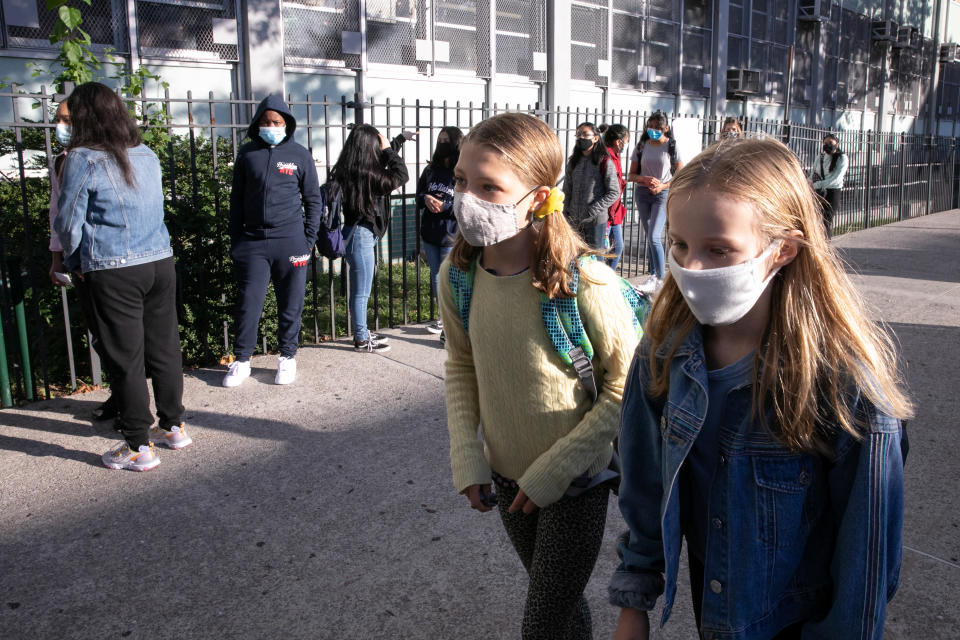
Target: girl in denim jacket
[761, 419]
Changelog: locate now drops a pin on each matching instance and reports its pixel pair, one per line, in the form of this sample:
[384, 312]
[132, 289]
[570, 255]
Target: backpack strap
[461, 283]
[561, 318]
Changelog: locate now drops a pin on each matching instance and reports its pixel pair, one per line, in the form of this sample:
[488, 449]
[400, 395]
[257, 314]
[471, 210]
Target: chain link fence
[192, 30]
[29, 23]
[891, 177]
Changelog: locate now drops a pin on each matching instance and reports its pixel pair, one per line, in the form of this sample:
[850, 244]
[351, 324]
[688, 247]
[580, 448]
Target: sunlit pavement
[324, 509]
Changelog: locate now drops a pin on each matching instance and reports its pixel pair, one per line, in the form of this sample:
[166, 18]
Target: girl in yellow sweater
[517, 414]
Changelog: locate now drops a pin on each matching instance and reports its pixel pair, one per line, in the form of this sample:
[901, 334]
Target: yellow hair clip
[553, 204]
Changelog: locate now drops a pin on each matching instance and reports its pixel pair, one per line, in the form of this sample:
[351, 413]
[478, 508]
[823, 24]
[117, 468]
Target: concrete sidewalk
[325, 509]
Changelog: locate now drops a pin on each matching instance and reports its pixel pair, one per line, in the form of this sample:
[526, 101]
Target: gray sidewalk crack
[932, 557]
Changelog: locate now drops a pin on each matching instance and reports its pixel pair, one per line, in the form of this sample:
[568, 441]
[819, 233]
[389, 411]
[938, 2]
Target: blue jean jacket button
[715, 586]
[804, 477]
[717, 523]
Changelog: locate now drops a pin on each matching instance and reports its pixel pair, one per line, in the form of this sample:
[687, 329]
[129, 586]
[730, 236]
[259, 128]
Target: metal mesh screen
[662, 54]
[392, 31]
[696, 60]
[588, 40]
[465, 25]
[627, 30]
[521, 32]
[948, 94]
[194, 31]
[312, 31]
[104, 20]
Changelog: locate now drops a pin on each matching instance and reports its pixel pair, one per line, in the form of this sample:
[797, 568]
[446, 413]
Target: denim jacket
[792, 536]
[105, 223]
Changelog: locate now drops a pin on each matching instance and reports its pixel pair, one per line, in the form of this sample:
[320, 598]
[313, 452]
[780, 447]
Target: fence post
[869, 180]
[6, 398]
[903, 175]
[928, 140]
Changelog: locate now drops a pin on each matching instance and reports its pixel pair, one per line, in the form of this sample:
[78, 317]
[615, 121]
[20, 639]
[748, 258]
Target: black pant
[90, 316]
[696, 587]
[829, 202]
[558, 546]
[256, 262]
[136, 315]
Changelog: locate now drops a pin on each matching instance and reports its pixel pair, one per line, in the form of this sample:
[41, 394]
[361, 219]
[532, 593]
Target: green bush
[197, 212]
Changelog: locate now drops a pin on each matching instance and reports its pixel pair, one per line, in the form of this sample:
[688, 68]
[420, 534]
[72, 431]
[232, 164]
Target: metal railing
[891, 177]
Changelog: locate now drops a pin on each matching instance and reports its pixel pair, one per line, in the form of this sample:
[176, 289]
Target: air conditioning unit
[907, 38]
[814, 10]
[743, 82]
[950, 52]
[884, 31]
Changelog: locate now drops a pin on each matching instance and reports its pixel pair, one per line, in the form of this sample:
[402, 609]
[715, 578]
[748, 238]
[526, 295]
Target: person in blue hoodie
[275, 210]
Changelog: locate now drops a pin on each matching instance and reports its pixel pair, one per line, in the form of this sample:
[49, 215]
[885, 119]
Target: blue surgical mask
[63, 133]
[273, 135]
[654, 134]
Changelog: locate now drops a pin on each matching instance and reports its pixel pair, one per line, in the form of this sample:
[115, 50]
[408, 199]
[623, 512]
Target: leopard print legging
[558, 546]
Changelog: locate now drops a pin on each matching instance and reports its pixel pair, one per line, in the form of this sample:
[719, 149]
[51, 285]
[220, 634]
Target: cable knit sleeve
[608, 320]
[467, 461]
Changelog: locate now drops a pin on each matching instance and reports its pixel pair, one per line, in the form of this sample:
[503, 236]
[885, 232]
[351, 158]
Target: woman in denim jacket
[110, 225]
[761, 419]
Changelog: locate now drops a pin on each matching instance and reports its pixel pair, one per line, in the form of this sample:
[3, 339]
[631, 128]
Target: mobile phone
[488, 499]
[63, 278]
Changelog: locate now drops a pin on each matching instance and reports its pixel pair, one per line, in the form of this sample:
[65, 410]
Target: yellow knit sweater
[538, 424]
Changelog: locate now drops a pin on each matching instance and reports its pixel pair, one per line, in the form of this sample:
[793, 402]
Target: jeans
[435, 254]
[652, 210]
[256, 262]
[616, 245]
[594, 234]
[360, 243]
[136, 316]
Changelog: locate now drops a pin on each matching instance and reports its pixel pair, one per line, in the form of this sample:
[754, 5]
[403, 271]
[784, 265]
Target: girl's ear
[539, 197]
[789, 248]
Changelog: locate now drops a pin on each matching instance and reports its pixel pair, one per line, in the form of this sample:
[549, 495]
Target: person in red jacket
[616, 138]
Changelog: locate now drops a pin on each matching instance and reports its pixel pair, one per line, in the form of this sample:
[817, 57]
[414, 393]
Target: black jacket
[276, 192]
[437, 228]
[378, 221]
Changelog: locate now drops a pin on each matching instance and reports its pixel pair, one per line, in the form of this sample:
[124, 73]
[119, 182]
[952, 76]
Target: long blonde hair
[531, 147]
[819, 339]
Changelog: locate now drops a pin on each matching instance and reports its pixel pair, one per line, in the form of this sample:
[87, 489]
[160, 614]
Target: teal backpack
[561, 319]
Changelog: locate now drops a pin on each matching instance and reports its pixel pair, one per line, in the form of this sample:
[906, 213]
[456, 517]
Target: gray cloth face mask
[484, 223]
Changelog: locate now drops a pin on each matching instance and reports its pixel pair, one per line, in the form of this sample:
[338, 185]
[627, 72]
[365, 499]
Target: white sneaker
[238, 372]
[436, 328]
[286, 370]
[650, 286]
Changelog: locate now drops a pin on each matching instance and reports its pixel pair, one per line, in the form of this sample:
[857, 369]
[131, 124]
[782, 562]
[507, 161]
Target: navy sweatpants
[256, 262]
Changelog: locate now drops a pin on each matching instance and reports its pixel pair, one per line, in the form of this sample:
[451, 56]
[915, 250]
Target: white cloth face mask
[483, 223]
[719, 297]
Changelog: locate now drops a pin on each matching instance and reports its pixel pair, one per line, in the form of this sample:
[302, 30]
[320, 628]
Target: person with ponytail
[761, 419]
[545, 444]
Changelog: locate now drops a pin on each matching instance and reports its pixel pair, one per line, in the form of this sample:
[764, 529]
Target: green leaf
[72, 51]
[70, 17]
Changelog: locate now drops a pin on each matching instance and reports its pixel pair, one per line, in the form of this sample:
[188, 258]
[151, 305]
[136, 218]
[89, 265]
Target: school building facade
[854, 65]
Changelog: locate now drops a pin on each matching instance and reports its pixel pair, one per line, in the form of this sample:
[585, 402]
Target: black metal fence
[891, 177]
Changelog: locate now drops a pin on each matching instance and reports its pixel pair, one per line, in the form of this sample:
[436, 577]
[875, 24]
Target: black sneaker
[107, 410]
[376, 338]
[371, 345]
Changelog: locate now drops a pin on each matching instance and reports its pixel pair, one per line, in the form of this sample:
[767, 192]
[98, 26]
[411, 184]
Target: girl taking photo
[761, 419]
[541, 430]
[367, 171]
